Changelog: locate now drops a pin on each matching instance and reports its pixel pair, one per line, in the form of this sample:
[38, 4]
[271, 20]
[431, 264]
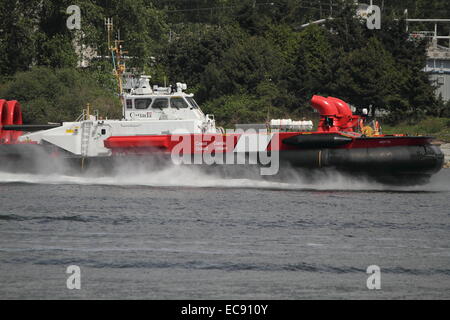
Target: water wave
[183, 176]
[228, 266]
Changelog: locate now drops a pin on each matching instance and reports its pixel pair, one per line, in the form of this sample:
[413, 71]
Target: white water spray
[191, 176]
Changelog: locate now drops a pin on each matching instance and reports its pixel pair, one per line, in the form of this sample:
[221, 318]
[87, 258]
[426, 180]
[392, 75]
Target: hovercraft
[167, 121]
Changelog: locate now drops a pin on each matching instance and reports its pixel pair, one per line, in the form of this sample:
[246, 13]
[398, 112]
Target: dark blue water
[179, 234]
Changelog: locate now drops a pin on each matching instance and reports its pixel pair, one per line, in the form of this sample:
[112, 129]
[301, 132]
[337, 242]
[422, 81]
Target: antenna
[109, 29]
[116, 54]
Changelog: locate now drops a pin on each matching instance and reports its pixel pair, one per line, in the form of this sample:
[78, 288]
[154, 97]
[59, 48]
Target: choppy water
[181, 234]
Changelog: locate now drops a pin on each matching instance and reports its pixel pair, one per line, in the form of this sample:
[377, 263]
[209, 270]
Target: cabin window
[142, 103]
[192, 102]
[178, 103]
[160, 103]
[129, 104]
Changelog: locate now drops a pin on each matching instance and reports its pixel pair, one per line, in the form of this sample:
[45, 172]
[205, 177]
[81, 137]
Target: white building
[438, 65]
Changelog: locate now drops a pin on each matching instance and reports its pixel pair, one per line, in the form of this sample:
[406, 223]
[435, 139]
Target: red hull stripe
[218, 143]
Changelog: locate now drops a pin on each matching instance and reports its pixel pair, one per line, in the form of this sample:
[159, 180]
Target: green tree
[242, 68]
[367, 77]
[312, 71]
[192, 48]
[17, 45]
[49, 95]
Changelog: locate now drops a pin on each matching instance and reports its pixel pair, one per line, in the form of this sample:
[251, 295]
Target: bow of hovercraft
[344, 142]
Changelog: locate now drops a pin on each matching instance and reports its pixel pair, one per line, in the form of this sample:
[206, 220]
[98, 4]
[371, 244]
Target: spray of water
[153, 175]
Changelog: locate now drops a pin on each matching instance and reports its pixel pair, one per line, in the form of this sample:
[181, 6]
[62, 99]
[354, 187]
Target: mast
[115, 48]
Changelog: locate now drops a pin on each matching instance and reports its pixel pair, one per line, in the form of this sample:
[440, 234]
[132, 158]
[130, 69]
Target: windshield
[192, 102]
[178, 103]
[160, 103]
[142, 103]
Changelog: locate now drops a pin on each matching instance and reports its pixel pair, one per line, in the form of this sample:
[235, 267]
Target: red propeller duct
[324, 106]
[335, 114]
[10, 114]
[4, 135]
[342, 106]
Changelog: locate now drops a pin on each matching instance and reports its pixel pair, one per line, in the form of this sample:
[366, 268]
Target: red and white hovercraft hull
[168, 125]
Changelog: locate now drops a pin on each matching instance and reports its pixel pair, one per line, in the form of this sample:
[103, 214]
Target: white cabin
[146, 111]
[160, 103]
